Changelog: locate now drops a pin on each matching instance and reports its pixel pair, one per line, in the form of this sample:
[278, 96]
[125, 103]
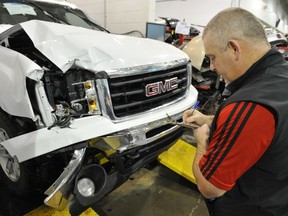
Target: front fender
[14, 69]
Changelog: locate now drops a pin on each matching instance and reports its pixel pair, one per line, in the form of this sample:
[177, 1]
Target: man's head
[234, 39]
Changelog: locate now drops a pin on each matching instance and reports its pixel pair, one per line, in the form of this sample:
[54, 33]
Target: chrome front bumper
[59, 192]
[135, 136]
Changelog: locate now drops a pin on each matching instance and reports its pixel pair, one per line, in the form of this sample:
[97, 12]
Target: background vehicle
[172, 37]
[81, 108]
[279, 41]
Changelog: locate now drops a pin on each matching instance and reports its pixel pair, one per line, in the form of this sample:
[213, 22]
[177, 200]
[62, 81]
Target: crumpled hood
[68, 46]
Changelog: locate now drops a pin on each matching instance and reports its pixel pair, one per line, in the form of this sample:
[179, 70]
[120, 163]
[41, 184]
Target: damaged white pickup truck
[82, 109]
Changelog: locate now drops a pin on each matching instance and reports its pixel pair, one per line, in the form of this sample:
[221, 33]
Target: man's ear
[234, 46]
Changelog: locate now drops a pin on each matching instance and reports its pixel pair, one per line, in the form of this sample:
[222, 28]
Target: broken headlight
[75, 90]
[86, 97]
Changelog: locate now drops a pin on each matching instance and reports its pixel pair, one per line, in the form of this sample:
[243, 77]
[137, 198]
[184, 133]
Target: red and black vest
[263, 189]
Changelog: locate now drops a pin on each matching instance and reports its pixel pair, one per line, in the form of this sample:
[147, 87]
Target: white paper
[182, 28]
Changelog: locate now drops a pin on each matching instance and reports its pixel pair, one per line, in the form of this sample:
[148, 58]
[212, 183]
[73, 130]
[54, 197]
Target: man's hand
[196, 119]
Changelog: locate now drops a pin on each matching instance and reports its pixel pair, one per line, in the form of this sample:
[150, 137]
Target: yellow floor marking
[179, 158]
[48, 211]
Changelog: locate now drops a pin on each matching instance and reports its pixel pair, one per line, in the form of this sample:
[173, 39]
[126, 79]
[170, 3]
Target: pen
[173, 122]
[196, 105]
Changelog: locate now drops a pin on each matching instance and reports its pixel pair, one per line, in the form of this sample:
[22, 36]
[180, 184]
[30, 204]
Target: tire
[19, 178]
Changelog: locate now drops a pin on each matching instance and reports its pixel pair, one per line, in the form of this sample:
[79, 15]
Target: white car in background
[279, 41]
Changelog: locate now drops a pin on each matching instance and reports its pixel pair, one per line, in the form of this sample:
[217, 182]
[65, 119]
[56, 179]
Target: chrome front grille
[129, 93]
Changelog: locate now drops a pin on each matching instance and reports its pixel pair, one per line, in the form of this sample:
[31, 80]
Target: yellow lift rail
[179, 158]
[48, 211]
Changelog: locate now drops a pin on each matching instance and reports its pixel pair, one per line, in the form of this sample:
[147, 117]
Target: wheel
[18, 177]
[30, 177]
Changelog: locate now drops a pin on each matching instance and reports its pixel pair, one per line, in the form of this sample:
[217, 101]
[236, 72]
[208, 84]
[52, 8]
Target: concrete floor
[155, 191]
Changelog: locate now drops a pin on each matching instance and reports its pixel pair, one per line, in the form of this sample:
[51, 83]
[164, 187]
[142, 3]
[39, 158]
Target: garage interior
[165, 187]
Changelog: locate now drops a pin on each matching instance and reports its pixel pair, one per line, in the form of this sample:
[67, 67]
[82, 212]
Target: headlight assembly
[76, 90]
[86, 97]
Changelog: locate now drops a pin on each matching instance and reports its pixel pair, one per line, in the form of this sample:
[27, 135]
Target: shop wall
[269, 11]
[119, 16]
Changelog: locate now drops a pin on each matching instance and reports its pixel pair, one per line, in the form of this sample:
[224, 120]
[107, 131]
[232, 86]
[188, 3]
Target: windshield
[12, 13]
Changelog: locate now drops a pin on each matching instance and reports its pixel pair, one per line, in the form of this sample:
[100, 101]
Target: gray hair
[236, 23]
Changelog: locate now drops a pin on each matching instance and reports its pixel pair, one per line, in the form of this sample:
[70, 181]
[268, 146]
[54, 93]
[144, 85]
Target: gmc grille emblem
[156, 88]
